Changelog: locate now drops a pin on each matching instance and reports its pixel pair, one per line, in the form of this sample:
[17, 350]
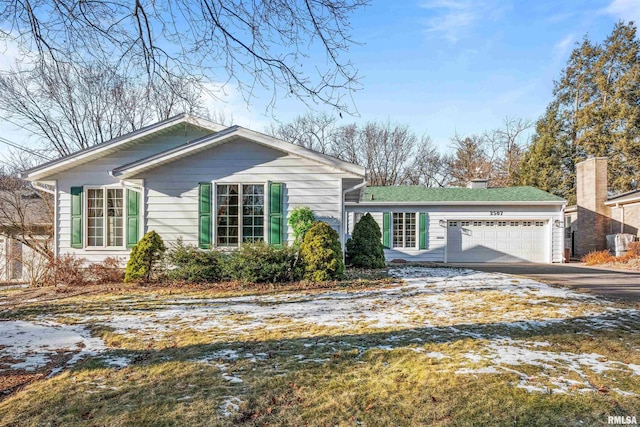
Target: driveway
[601, 281]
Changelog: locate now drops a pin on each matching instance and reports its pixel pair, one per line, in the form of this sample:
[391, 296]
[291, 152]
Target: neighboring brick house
[598, 214]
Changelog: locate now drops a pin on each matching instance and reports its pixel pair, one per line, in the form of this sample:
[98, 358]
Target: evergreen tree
[548, 164]
[364, 249]
[595, 112]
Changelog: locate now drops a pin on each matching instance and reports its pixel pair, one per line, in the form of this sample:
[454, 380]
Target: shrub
[108, 271]
[261, 263]
[633, 250]
[144, 257]
[598, 257]
[65, 270]
[364, 249]
[321, 253]
[190, 264]
[301, 220]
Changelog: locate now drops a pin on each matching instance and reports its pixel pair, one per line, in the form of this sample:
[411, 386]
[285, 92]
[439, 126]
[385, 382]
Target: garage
[497, 241]
[464, 225]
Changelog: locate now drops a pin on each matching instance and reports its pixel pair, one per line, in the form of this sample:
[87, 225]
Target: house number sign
[496, 212]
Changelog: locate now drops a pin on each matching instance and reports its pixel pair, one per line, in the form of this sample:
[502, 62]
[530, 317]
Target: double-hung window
[404, 230]
[105, 217]
[239, 214]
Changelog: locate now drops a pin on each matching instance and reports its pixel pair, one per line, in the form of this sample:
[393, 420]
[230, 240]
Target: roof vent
[477, 183]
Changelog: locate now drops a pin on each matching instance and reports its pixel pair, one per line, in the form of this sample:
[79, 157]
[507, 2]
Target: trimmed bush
[188, 263]
[144, 258]
[301, 220]
[261, 263]
[321, 253]
[364, 249]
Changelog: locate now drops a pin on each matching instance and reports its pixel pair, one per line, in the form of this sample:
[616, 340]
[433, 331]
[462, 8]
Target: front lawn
[436, 346]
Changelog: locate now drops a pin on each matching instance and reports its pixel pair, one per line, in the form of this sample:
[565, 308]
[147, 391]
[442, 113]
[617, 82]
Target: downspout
[343, 235]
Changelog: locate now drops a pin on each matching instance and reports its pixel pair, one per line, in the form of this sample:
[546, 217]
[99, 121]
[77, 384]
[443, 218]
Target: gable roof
[418, 194]
[227, 135]
[99, 150]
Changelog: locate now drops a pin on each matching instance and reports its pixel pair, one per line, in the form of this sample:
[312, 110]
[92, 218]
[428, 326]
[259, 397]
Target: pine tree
[595, 112]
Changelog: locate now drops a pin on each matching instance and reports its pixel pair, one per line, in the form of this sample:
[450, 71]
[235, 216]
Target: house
[216, 187]
[598, 213]
[24, 217]
[475, 224]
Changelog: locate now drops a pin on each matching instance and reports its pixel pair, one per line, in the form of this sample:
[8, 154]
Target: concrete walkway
[611, 283]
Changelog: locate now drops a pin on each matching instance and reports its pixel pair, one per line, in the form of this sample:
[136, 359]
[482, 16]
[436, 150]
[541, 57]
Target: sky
[448, 66]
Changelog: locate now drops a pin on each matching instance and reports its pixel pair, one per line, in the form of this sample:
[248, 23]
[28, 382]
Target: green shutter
[276, 223]
[76, 217]
[424, 230]
[204, 215]
[386, 230]
[133, 217]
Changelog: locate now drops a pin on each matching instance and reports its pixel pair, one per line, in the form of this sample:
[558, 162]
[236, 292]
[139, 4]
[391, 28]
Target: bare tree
[26, 215]
[507, 148]
[249, 43]
[429, 166]
[391, 153]
[316, 131]
[70, 108]
[469, 160]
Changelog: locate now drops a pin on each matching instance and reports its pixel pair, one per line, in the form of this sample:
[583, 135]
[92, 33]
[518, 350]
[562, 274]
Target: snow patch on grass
[34, 344]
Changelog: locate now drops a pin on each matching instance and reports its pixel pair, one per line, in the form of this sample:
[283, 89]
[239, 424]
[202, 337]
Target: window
[539, 223]
[105, 217]
[502, 223]
[527, 223]
[252, 213]
[453, 223]
[239, 204]
[404, 230]
[465, 223]
[489, 223]
[514, 223]
[477, 223]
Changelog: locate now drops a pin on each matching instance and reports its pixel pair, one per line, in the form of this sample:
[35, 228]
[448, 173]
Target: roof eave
[210, 141]
[622, 201]
[460, 203]
[47, 169]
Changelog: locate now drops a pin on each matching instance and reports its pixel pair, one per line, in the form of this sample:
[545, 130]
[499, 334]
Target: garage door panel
[496, 241]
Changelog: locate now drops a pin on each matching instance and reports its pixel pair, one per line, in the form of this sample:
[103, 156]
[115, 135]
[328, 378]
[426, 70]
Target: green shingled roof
[418, 193]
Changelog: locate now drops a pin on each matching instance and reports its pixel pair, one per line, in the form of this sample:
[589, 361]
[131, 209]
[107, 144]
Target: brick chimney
[593, 215]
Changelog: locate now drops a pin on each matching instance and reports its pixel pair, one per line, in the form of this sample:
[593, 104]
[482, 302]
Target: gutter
[460, 203]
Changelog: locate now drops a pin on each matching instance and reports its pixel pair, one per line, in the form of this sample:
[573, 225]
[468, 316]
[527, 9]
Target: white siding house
[217, 187]
[515, 224]
[188, 178]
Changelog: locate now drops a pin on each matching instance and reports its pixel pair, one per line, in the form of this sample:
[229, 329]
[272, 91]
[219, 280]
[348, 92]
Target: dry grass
[292, 371]
[598, 257]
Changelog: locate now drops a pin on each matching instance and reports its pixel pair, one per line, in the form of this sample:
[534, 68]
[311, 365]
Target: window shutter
[386, 229]
[76, 217]
[276, 223]
[424, 231]
[204, 215]
[133, 217]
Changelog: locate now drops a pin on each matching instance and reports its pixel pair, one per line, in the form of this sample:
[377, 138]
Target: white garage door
[496, 241]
